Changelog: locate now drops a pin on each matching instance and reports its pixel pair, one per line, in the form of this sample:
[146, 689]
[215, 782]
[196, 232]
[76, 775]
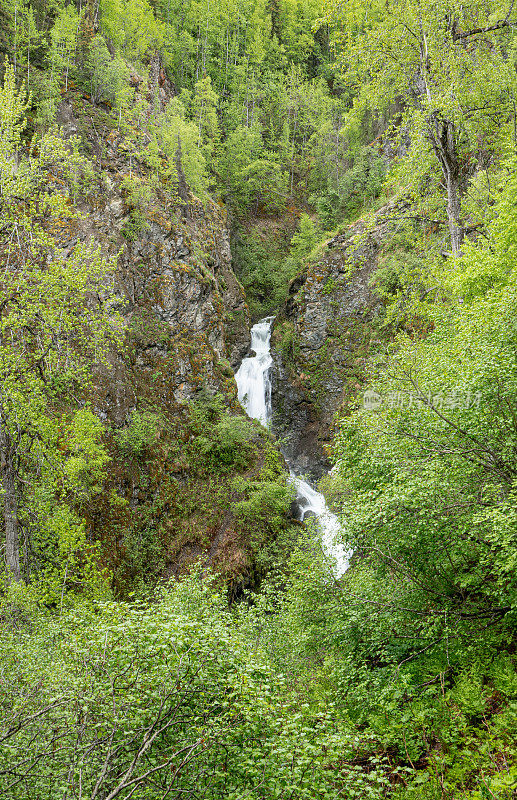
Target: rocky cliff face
[173, 424]
[323, 338]
[174, 262]
[184, 310]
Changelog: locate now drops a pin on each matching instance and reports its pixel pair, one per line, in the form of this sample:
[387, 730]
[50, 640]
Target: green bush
[141, 433]
[170, 697]
[222, 441]
[266, 505]
[288, 344]
[134, 225]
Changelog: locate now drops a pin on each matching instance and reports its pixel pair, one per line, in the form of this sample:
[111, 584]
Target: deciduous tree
[54, 317]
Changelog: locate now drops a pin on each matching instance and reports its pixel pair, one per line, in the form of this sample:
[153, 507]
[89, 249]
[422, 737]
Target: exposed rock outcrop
[322, 339]
[177, 267]
[186, 328]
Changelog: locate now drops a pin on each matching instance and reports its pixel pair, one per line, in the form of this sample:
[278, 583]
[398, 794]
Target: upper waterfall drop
[254, 391]
[252, 377]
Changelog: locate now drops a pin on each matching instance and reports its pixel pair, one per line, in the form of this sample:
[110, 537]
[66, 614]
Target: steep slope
[330, 325]
[176, 432]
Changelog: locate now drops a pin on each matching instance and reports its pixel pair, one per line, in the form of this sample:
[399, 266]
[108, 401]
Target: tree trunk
[12, 552]
[456, 229]
[441, 135]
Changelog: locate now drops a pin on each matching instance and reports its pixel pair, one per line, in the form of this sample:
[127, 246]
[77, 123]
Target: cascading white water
[309, 500]
[254, 390]
[252, 377]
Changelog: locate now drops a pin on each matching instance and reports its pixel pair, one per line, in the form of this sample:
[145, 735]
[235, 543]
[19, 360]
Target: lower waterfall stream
[254, 391]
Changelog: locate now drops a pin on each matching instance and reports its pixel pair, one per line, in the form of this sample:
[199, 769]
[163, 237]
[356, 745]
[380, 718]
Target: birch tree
[447, 64]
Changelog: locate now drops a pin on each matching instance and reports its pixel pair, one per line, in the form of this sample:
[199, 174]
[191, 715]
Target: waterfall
[310, 500]
[254, 390]
[252, 377]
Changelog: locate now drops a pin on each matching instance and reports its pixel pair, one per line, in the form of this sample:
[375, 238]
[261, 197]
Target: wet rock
[116, 207]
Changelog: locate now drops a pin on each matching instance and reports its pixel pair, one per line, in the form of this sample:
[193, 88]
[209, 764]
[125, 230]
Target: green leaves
[180, 676]
[132, 27]
[456, 90]
[52, 330]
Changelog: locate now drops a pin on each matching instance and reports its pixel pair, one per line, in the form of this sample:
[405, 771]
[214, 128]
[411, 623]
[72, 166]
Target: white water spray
[252, 377]
[309, 500]
[254, 388]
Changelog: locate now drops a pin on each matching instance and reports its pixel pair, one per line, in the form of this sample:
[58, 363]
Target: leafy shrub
[141, 433]
[266, 504]
[288, 344]
[170, 697]
[221, 443]
[134, 225]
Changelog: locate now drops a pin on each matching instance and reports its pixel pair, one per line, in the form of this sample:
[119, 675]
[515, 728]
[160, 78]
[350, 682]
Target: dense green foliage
[49, 338]
[255, 107]
[397, 681]
[172, 700]
[426, 480]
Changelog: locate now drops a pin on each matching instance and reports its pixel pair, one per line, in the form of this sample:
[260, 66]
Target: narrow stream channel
[254, 387]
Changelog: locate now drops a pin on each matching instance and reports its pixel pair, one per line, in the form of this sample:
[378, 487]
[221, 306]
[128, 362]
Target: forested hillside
[171, 172]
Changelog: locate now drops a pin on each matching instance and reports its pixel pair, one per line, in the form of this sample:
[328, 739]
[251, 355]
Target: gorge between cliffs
[254, 392]
[258, 400]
